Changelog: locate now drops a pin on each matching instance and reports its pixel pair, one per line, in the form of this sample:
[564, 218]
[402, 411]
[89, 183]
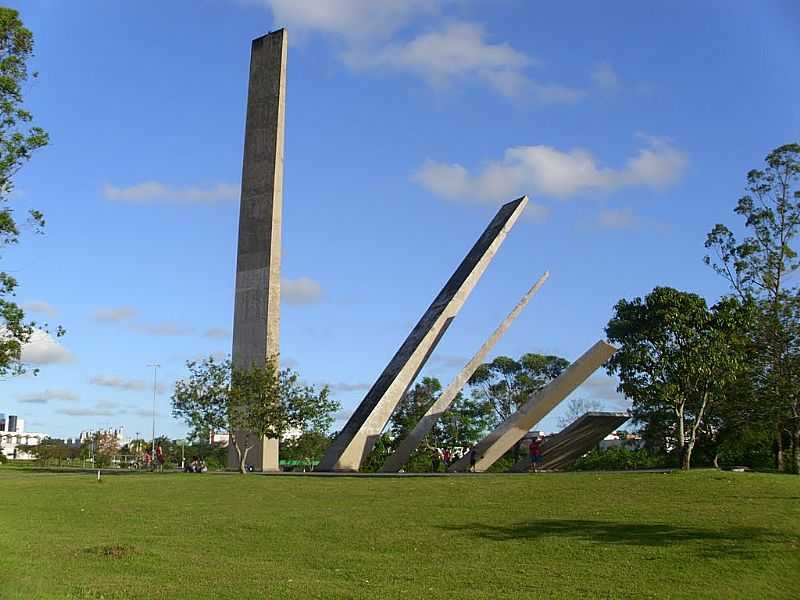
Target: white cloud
[155, 191]
[47, 395]
[349, 18]
[118, 382]
[301, 291]
[124, 384]
[100, 410]
[161, 329]
[217, 333]
[448, 361]
[40, 306]
[348, 387]
[605, 77]
[43, 349]
[617, 219]
[551, 172]
[114, 315]
[457, 52]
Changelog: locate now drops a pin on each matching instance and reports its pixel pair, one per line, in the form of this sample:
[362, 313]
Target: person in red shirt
[535, 451]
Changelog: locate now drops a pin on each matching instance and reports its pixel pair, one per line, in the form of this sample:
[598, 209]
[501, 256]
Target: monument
[396, 461]
[561, 450]
[256, 313]
[361, 431]
[514, 428]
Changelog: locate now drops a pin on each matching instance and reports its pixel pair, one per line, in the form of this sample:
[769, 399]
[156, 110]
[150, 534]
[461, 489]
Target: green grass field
[575, 535]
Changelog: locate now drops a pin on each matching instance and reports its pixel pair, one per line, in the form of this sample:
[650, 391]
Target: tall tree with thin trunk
[762, 267]
[19, 138]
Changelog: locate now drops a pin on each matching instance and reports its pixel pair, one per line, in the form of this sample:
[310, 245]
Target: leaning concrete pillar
[445, 399]
[514, 428]
[567, 446]
[256, 312]
[365, 425]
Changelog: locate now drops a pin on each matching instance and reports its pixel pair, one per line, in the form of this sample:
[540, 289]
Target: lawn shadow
[731, 541]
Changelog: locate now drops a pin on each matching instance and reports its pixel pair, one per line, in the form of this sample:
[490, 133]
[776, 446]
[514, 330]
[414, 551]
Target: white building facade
[13, 435]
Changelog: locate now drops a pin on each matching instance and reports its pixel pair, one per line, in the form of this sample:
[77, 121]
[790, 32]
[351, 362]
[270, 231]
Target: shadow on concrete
[712, 542]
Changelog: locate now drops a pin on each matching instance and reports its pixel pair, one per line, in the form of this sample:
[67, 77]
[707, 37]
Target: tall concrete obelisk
[256, 313]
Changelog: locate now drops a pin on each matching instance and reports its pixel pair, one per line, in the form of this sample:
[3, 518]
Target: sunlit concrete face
[363, 428]
[395, 462]
[539, 404]
[256, 316]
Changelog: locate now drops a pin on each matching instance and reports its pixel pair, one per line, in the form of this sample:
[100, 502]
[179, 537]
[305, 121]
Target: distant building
[13, 435]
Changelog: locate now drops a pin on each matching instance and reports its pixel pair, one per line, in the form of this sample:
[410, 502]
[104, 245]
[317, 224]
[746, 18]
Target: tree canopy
[19, 138]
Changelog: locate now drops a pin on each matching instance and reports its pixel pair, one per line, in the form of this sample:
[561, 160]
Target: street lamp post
[153, 439]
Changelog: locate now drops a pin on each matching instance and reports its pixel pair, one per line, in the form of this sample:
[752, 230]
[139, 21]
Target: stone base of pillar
[263, 456]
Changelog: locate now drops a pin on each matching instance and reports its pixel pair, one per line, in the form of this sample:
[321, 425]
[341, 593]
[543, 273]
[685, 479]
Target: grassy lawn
[578, 535]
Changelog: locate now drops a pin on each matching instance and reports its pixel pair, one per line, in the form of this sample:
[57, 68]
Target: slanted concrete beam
[561, 450]
[395, 462]
[514, 428]
[256, 312]
[363, 428]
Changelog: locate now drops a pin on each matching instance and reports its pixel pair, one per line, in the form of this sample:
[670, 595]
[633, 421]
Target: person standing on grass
[446, 456]
[535, 451]
[472, 458]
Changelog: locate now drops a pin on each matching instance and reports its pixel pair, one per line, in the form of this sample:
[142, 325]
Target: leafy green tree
[677, 359]
[52, 450]
[309, 446]
[19, 138]
[262, 401]
[505, 383]
[758, 267]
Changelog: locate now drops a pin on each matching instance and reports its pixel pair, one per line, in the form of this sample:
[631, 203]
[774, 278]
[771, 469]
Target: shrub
[623, 459]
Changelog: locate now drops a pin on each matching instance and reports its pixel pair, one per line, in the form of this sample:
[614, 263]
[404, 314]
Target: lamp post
[155, 385]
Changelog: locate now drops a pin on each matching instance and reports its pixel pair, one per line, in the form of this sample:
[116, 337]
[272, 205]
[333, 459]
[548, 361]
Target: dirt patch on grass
[114, 551]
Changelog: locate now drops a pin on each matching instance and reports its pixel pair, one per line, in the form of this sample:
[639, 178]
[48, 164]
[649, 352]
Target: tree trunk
[243, 462]
[686, 456]
[779, 448]
[239, 455]
[796, 449]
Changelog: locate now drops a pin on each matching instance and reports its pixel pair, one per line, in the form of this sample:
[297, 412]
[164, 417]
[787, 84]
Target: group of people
[448, 457]
[197, 465]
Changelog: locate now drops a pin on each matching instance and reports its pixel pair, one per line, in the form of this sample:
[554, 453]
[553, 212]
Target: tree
[261, 400]
[100, 447]
[758, 269]
[506, 383]
[577, 407]
[52, 450]
[18, 140]
[677, 359]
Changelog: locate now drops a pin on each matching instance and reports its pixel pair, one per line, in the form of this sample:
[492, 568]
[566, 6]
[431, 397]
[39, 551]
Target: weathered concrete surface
[568, 445]
[395, 462]
[360, 433]
[256, 313]
[513, 429]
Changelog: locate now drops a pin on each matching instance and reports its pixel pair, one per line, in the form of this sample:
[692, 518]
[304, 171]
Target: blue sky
[631, 127]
